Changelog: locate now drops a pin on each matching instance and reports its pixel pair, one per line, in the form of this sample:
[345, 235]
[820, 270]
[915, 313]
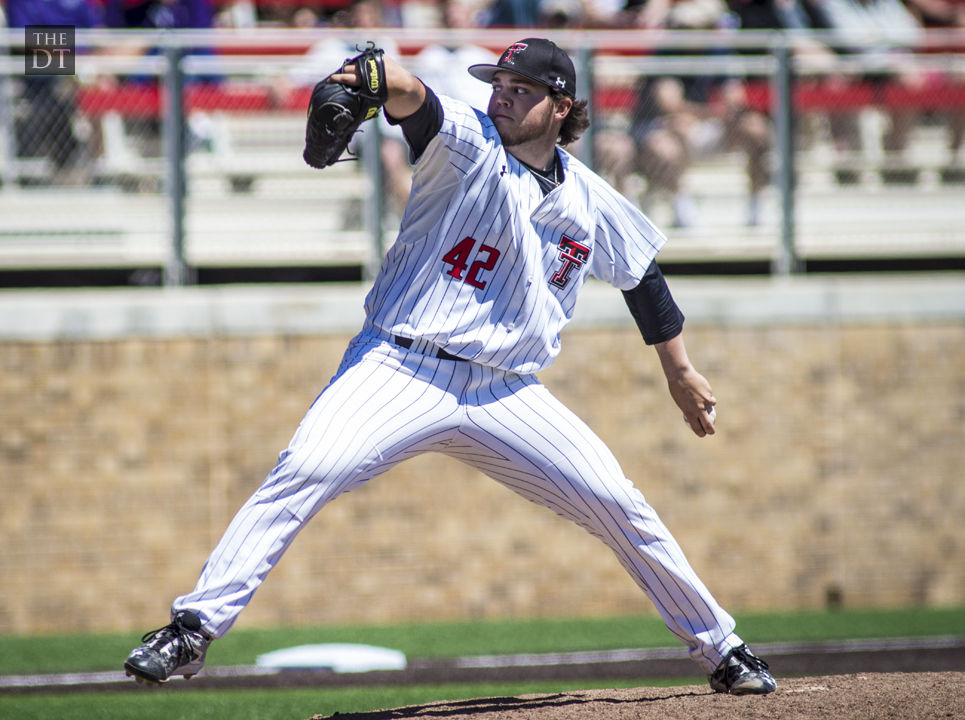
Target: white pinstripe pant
[386, 404]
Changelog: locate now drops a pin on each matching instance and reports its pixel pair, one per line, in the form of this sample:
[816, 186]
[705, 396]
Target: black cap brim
[486, 72]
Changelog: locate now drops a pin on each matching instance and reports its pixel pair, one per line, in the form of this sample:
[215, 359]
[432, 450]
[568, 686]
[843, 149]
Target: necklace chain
[545, 174]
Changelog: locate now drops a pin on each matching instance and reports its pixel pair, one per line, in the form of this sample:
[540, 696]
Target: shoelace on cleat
[746, 658]
[185, 647]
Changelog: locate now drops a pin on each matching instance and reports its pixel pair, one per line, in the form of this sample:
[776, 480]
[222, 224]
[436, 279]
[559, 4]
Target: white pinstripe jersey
[488, 267]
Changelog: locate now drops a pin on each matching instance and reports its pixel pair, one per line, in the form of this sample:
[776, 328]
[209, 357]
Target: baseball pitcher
[502, 229]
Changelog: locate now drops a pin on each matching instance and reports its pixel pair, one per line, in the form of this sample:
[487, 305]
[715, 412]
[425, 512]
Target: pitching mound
[866, 696]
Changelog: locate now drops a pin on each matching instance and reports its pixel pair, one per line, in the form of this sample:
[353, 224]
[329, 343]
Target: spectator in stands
[165, 15]
[893, 32]
[851, 22]
[304, 17]
[160, 14]
[361, 17]
[678, 120]
[776, 14]
[822, 61]
[948, 14]
[581, 14]
[513, 13]
[434, 63]
[236, 14]
[938, 13]
[47, 124]
[801, 15]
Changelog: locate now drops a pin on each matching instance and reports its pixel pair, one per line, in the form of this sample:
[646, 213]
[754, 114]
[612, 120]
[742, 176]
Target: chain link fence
[170, 154]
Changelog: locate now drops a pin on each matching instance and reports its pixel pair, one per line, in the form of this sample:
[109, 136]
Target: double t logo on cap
[538, 59]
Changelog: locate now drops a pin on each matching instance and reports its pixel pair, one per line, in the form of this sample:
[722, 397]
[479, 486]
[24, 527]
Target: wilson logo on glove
[375, 75]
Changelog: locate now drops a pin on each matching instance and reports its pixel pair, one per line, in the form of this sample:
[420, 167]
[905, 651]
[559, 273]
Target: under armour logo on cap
[537, 59]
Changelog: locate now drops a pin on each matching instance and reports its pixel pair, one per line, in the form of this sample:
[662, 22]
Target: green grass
[287, 704]
[33, 654]
[78, 653]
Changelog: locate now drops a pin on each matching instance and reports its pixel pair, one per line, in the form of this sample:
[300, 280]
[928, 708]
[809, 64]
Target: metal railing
[147, 87]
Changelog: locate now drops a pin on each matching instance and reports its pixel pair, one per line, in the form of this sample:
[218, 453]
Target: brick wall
[835, 476]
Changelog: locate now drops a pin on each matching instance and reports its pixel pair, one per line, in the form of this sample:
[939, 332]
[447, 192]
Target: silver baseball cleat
[741, 672]
[176, 649]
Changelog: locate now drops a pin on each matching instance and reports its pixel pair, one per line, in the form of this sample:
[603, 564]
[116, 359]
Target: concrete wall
[134, 423]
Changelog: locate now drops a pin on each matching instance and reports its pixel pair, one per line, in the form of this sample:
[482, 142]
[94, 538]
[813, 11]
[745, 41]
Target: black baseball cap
[537, 59]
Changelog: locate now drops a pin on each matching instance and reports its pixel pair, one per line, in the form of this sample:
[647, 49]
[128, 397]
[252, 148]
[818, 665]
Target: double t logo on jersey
[573, 255]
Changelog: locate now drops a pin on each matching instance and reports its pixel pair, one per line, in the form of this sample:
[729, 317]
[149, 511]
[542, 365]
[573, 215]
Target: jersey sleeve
[626, 241]
[464, 131]
[468, 134]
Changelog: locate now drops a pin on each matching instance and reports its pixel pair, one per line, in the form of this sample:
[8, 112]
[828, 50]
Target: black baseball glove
[336, 110]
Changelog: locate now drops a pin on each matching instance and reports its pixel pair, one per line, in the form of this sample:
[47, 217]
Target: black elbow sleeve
[653, 308]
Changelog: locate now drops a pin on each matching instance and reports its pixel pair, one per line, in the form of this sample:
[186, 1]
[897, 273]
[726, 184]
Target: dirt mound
[862, 696]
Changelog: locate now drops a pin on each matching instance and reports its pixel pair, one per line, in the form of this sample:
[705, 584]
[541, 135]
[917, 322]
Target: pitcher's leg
[373, 415]
[540, 449]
